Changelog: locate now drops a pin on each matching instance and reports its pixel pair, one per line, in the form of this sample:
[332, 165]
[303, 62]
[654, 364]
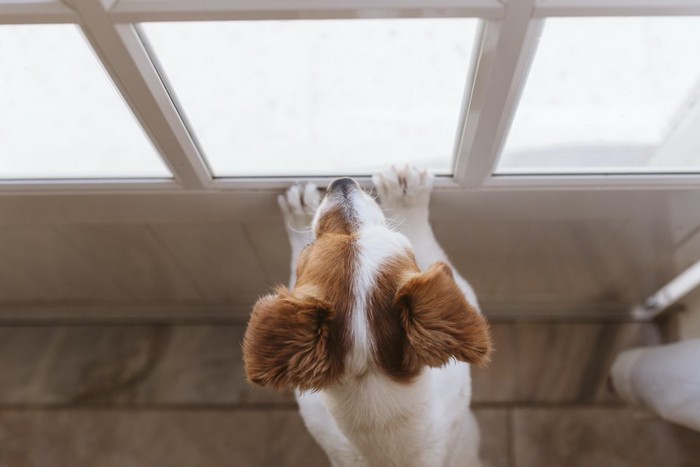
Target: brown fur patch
[439, 322]
[385, 319]
[288, 343]
[336, 221]
[299, 340]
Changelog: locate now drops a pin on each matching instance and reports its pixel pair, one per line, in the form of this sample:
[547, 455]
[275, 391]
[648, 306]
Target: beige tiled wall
[175, 395]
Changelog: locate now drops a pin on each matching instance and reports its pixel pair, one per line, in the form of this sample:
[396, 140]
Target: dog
[376, 332]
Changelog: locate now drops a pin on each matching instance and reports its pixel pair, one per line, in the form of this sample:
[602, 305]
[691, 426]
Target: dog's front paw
[298, 205]
[407, 189]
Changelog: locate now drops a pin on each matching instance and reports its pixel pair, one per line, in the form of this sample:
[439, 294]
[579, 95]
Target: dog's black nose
[342, 184]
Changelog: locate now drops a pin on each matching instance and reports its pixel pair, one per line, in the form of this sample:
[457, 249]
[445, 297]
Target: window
[61, 117]
[196, 96]
[271, 98]
[610, 95]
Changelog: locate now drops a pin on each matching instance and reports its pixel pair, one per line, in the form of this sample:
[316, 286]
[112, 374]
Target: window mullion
[206, 10]
[550, 8]
[507, 48]
[126, 60]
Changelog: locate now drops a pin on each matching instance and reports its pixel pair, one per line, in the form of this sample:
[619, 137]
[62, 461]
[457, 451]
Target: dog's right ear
[439, 322]
[286, 345]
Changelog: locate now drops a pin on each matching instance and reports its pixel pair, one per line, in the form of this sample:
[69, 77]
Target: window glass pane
[60, 114]
[610, 95]
[328, 97]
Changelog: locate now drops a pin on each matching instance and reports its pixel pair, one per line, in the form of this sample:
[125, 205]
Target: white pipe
[665, 379]
[669, 294]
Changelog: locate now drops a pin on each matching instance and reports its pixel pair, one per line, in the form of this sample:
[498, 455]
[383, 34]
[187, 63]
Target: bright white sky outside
[351, 97]
[319, 97]
[60, 114]
[608, 94]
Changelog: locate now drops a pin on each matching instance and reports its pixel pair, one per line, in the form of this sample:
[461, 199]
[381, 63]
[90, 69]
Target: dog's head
[360, 304]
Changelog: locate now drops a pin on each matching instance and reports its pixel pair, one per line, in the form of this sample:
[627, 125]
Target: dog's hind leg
[405, 198]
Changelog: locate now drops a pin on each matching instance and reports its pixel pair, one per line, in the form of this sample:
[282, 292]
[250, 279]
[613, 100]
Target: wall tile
[203, 365]
[290, 444]
[15, 433]
[558, 263]
[132, 257]
[126, 365]
[498, 382]
[193, 438]
[75, 364]
[133, 438]
[555, 362]
[271, 246]
[40, 262]
[597, 436]
[218, 259]
[23, 360]
[495, 442]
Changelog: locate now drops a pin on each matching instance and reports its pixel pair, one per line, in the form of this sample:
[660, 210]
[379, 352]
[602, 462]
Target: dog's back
[377, 350]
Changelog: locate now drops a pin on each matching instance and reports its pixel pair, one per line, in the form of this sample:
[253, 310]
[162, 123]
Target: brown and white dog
[376, 331]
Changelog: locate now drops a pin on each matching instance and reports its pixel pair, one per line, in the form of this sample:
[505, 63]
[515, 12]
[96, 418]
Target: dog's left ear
[439, 322]
[287, 343]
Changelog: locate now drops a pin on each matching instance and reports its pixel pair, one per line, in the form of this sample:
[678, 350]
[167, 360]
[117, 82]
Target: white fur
[368, 419]
[376, 244]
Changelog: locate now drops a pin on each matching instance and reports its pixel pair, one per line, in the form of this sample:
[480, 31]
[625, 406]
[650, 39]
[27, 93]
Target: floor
[174, 394]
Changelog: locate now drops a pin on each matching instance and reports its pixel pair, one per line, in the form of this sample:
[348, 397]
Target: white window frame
[506, 48]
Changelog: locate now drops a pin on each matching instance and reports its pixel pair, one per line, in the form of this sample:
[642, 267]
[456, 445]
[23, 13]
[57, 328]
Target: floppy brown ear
[286, 345]
[439, 322]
